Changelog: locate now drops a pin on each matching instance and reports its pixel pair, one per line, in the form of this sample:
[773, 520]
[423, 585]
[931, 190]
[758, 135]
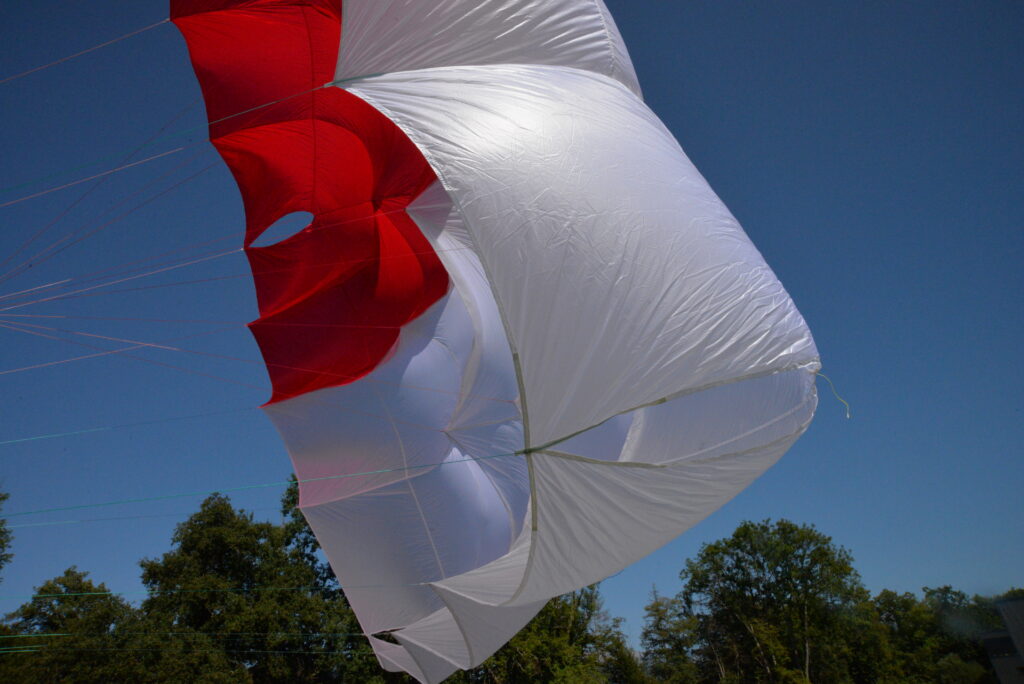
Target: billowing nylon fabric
[332, 297]
[664, 366]
[665, 468]
[440, 417]
[185, 8]
[383, 36]
[622, 278]
[596, 517]
[395, 658]
[523, 343]
[437, 513]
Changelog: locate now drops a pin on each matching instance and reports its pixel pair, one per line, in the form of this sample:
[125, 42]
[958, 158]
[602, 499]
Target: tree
[779, 602]
[570, 640]
[66, 631]
[261, 589]
[240, 600]
[938, 638]
[775, 602]
[620, 664]
[5, 537]
[668, 637]
[76, 631]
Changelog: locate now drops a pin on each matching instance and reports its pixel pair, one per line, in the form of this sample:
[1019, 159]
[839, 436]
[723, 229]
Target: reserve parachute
[521, 343]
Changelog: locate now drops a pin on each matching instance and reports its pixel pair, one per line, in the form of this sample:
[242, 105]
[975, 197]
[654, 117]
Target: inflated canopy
[522, 343]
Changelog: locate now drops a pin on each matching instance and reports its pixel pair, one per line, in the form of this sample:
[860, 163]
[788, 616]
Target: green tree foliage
[240, 600]
[78, 620]
[5, 537]
[779, 602]
[75, 631]
[621, 665]
[938, 638]
[571, 640]
[668, 638]
[234, 600]
[772, 603]
[262, 591]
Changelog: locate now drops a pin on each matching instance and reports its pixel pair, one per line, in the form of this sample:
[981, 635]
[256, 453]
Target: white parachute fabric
[613, 362]
[384, 36]
[434, 481]
[622, 279]
[433, 484]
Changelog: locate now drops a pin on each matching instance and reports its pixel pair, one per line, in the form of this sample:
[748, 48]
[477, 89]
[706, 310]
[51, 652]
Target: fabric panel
[417, 464]
[332, 297]
[384, 36]
[622, 278]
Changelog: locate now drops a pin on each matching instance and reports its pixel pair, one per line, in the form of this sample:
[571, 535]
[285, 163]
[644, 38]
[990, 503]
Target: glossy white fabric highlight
[382, 36]
[621, 277]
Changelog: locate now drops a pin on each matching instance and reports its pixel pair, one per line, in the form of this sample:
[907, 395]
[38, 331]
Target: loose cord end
[836, 394]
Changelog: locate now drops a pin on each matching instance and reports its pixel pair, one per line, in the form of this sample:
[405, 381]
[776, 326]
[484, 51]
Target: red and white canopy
[522, 343]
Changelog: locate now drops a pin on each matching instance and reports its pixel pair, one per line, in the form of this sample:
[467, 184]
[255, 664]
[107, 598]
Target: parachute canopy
[522, 343]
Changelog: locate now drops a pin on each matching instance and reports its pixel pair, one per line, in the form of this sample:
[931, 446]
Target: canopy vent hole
[284, 228]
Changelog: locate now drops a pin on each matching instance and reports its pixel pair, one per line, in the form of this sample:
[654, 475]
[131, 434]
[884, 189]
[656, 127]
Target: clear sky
[873, 151]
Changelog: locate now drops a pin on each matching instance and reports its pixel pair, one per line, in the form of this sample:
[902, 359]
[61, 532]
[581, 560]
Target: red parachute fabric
[333, 297]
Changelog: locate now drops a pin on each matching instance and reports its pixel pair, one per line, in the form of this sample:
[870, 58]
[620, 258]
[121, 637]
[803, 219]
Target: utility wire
[261, 509]
[169, 136]
[85, 232]
[39, 649]
[163, 345]
[86, 51]
[264, 485]
[228, 635]
[107, 428]
[89, 178]
[175, 264]
[122, 280]
[39, 233]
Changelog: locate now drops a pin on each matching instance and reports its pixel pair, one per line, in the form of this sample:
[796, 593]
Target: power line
[192, 633]
[107, 428]
[230, 590]
[264, 485]
[39, 233]
[39, 649]
[86, 51]
[89, 178]
[169, 136]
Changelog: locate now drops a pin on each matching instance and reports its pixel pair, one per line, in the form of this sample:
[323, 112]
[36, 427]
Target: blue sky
[874, 152]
